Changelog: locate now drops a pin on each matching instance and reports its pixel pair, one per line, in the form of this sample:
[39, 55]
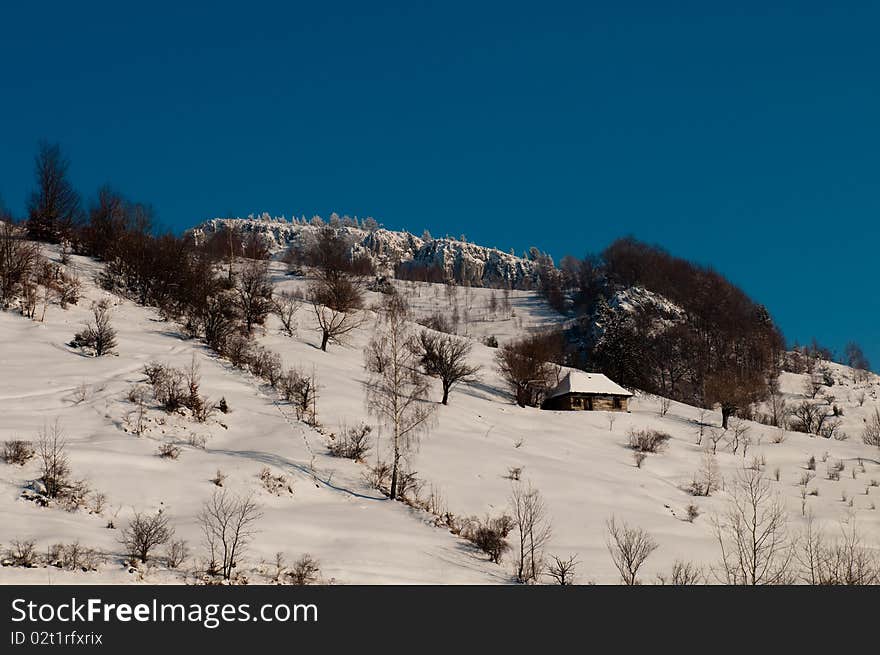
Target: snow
[576, 381]
[579, 461]
[465, 262]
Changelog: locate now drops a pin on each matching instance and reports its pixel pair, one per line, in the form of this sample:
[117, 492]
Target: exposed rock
[459, 261]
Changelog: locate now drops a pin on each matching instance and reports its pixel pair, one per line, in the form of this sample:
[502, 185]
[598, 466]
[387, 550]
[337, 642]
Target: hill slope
[580, 462]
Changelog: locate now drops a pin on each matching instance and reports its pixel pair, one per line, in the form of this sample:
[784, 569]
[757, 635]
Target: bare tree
[562, 570]
[813, 385]
[752, 533]
[734, 388]
[145, 533]
[809, 417]
[445, 357]
[228, 524]
[336, 294]
[336, 302]
[856, 359]
[18, 261]
[54, 208]
[534, 531]
[285, 306]
[665, 404]
[708, 478]
[527, 367]
[52, 457]
[629, 548]
[779, 410]
[612, 417]
[715, 436]
[397, 395]
[736, 436]
[254, 293]
[846, 561]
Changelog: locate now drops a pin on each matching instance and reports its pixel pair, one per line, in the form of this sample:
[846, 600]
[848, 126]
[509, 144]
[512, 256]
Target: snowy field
[579, 461]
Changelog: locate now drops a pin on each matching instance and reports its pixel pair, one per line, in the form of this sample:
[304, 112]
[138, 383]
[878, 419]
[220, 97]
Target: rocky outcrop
[459, 261]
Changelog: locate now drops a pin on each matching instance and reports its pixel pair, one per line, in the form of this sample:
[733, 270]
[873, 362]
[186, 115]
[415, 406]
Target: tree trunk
[393, 494]
[726, 413]
[445, 394]
[324, 338]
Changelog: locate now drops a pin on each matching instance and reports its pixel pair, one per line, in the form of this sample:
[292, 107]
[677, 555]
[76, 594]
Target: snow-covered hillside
[463, 262]
[579, 461]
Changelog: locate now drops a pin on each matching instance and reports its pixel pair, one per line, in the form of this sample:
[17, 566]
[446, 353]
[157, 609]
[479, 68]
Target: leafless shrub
[277, 485]
[692, 512]
[871, 432]
[74, 557]
[237, 349]
[648, 441]
[846, 561]
[17, 452]
[144, 533]
[219, 478]
[81, 393]
[514, 472]
[378, 476]
[168, 450]
[99, 502]
[137, 394]
[176, 554]
[22, 553]
[629, 547]
[686, 573]
[409, 485]
[99, 336]
[301, 391]
[266, 364]
[562, 570]
[197, 440]
[353, 443]
[305, 571]
[834, 468]
[489, 535]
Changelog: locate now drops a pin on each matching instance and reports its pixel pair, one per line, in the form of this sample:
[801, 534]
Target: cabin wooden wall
[578, 402]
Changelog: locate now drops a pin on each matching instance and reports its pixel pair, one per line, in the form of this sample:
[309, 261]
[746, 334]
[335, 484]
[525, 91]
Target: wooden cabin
[580, 391]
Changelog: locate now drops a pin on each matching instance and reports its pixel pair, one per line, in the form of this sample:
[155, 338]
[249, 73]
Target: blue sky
[746, 137]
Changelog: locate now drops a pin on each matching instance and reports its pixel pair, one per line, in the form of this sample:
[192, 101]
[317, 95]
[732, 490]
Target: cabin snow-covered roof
[580, 382]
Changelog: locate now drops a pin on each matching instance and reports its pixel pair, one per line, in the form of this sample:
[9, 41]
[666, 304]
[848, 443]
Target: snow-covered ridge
[460, 261]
